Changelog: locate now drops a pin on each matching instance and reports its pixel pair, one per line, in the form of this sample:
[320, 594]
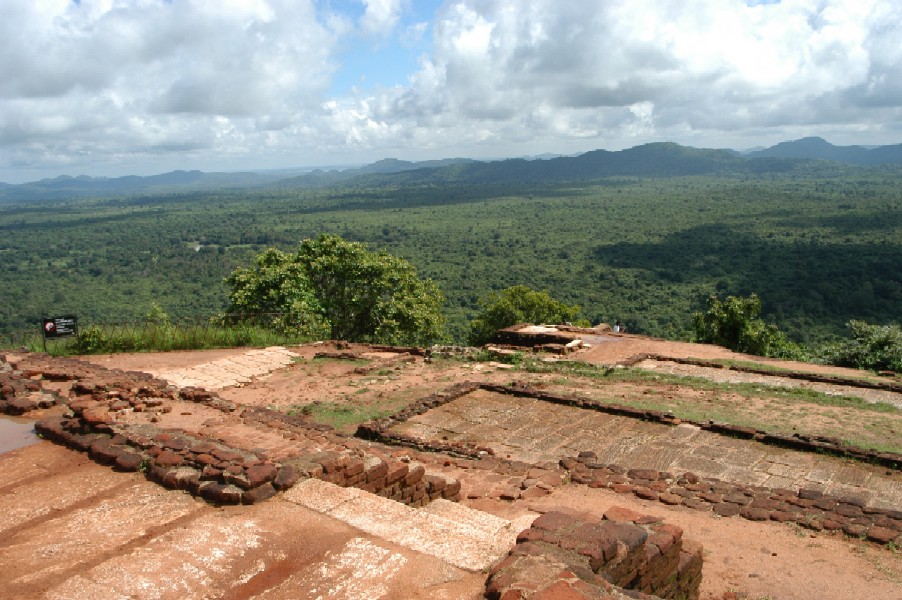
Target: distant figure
[617, 327]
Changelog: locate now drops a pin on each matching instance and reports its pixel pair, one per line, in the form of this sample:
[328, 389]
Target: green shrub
[517, 304]
[876, 347]
[334, 288]
[734, 323]
[92, 341]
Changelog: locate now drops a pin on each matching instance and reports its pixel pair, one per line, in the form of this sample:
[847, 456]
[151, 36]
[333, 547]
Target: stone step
[463, 537]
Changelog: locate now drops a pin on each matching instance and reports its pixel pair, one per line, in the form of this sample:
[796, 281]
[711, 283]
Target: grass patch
[750, 390]
[345, 361]
[343, 417]
[867, 376]
[162, 337]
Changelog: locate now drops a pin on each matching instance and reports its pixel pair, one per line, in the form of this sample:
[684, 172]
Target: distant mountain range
[662, 159]
[815, 148]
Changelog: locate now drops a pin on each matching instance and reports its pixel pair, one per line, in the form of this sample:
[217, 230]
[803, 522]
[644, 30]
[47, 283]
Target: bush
[876, 347]
[92, 341]
[734, 323]
[517, 304]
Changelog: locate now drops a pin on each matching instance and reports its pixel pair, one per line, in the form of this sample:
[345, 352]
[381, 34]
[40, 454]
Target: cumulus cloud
[121, 81]
[381, 16]
[126, 77]
[695, 66]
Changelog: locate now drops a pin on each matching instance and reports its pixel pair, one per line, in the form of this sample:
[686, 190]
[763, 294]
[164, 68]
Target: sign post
[59, 327]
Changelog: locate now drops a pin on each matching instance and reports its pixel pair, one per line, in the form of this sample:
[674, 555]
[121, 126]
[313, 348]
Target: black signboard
[59, 327]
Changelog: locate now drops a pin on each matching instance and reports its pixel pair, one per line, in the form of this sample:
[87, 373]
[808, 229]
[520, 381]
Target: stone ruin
[626, 555]
[559, 556]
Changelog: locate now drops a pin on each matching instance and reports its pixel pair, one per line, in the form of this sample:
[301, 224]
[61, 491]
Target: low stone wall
[807, 508]
[176, 459]
[625, 555]
[223, 474]
[379, 429]
[890, 386]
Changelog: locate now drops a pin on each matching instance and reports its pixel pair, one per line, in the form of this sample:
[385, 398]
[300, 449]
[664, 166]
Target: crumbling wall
[563, 556]
[807, 508]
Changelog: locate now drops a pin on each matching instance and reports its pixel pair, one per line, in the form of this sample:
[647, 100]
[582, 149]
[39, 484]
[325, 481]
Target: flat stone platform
[533, 431]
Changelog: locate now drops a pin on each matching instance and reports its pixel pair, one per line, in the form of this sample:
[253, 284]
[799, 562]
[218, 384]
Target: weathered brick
[882, 535]
[755, 514]
[168, 458]
[396, 472]
[727, 509]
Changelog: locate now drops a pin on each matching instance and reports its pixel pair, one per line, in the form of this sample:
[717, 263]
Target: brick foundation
[205, 467]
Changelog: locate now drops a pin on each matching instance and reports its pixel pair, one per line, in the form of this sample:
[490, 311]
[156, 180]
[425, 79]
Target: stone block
[258, 494]
[882, 535]
[286, 477]
[755, 514]
[168, 458]
[128, 461]
[726, 509]
[354, 467]
[376, 470]
[260, 474]
[218, 493]
[415, 474]
[556, 521]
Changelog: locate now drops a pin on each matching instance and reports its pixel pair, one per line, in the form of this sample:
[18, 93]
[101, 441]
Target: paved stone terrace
[733, 376]
[248, 552]
[533, 431]
[228, 372]
[100, 535]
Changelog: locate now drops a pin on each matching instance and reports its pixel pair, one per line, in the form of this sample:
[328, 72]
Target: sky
[115, 87]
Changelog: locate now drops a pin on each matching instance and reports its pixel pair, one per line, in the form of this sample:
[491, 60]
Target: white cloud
[189, 82]
[120, 78]
[381, 16]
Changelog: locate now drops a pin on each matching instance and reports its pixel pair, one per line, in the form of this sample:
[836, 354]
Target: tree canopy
[336, 288]
[517, 304]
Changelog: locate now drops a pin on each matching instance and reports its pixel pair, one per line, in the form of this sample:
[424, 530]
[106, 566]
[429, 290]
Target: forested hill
[662, 159]
[804, 157]
[820, 149]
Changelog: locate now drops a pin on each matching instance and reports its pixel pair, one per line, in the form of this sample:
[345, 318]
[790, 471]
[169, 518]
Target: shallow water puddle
[16, 433]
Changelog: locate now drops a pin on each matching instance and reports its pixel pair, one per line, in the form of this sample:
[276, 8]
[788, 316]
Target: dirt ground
[742, 558]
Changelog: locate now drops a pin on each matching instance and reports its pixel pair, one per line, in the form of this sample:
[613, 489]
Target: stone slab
[465, 538]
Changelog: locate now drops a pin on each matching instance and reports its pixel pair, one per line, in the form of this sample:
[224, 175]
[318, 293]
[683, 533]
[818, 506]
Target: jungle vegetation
[820, 246]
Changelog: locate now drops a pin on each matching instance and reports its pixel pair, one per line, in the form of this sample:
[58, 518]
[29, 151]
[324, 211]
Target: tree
[517, 304]
[276, 291]
[335, 288]
[735, 324]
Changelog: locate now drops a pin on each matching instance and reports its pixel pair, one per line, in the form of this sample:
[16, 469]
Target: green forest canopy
[819, 251]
